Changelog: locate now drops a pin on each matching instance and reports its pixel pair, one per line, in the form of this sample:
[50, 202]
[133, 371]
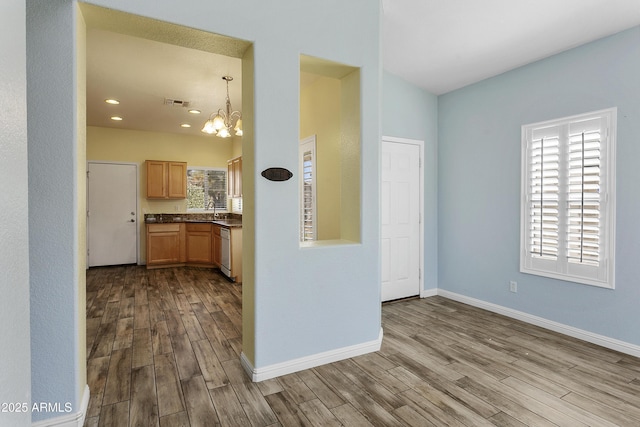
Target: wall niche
[330, 111]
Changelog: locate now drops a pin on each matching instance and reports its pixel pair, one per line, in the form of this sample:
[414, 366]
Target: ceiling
[439, 45]
[443, 45]
[156, 83]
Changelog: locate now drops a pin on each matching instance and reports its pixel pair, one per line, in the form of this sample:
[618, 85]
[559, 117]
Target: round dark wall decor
[277, 174]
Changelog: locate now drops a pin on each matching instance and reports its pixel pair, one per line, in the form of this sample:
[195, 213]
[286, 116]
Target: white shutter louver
[308, 172]
[307, 196]
[544, 197]
[583, 198]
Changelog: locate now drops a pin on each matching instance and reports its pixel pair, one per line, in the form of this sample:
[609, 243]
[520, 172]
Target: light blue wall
[51, 103]
[411, 112]
[15, 378]
[306, 301]
[479, 183]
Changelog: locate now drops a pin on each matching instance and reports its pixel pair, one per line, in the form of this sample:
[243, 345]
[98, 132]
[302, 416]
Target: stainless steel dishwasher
[225, 256]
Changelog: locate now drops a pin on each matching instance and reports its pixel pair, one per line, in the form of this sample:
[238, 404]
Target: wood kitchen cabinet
[236, 253]
[199, 244]
[217, 246]
[195, 244]
[234, 177]
[165, 244]
[166, 180]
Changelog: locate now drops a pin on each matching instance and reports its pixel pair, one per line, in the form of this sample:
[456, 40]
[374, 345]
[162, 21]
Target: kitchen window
[206, 189]
[568, 198]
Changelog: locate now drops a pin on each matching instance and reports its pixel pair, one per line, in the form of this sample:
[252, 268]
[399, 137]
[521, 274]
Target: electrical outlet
[513, 286]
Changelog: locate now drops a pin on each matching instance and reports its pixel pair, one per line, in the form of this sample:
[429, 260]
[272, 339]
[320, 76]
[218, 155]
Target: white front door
[400, 218]
[112, 221]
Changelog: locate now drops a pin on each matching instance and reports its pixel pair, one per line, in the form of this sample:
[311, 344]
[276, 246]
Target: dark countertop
[231, 222]
[220, 222]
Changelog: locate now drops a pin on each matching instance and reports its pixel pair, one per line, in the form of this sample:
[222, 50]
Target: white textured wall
[15, 379]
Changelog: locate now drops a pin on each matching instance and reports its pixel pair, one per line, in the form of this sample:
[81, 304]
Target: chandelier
[220, 123]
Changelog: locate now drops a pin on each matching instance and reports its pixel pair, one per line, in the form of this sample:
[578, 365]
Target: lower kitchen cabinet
[195, 244]
[217, 246]
[199, 244]
[165, 244]
[236, 253]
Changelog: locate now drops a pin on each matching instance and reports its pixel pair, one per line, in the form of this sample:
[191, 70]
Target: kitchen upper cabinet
[166, 179]
[199, 243]
[165, 244]
[234, 177]
[177, 180]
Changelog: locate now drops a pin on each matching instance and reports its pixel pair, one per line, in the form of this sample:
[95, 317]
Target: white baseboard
[601, 340]
[284, 368]
[75, 419]
[425, 293]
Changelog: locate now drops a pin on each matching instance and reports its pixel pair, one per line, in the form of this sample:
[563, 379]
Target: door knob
[133, 220]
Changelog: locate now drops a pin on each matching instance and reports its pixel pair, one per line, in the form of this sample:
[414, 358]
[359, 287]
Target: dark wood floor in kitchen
[163, 349]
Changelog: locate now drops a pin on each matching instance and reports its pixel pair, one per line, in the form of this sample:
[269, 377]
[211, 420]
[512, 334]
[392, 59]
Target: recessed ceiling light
[112, 101]
[185, 125]
[116, 118]
[193, 111]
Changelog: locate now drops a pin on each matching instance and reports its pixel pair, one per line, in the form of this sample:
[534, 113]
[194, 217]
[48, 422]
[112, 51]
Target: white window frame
[208, 168]
[308, 145]
[601, 273]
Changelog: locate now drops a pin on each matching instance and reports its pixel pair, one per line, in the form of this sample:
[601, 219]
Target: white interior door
[112, 223]
[400, 219]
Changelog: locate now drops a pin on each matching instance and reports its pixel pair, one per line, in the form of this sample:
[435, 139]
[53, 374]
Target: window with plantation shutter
[568, 203]
[308, 220]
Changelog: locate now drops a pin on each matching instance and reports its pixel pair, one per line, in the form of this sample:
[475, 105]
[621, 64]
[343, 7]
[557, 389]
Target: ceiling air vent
[176, 102]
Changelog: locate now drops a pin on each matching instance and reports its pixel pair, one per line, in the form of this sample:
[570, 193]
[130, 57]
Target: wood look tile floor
[163, 350]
